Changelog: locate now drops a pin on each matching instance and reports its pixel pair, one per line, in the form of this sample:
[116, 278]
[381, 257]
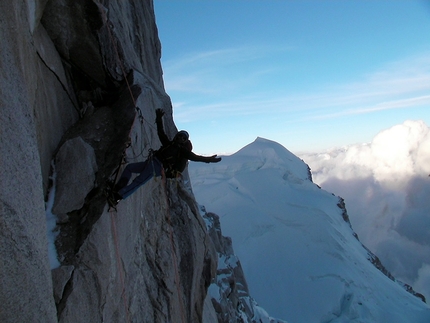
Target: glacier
[301, 258]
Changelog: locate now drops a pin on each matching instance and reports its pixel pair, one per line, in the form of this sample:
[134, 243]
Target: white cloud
[394, 151]
[423, 281]
[386, 186]
[393, 156]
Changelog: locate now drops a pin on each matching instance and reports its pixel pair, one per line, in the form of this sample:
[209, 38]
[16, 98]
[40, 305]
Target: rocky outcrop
[375, 259]
[78, 158]
[229, 292]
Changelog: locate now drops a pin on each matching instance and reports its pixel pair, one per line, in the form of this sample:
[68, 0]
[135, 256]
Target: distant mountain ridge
[302, 260]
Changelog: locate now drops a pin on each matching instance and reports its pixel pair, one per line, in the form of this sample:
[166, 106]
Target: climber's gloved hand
[213, 159]
[159, 113]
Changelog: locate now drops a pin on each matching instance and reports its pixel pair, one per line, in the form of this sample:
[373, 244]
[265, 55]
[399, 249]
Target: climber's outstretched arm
[210, 159]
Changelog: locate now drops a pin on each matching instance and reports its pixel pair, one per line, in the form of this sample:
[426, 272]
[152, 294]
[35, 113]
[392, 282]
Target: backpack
[173, 163]
[180, 163]
[188, 145]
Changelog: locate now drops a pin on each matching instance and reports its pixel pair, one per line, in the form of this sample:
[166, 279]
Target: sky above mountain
[307, 74]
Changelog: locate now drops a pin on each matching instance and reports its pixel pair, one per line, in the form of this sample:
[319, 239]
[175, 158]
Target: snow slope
[300, 258]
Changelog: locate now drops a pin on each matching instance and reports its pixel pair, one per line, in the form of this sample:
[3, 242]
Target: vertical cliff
[28, 86]
[80, 83]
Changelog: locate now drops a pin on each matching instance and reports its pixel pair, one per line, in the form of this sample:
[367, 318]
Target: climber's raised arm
[160, 129]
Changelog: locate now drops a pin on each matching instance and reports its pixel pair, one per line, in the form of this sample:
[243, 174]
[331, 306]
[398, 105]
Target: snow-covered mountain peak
[260, 156]
[301, 258]
[270, 154]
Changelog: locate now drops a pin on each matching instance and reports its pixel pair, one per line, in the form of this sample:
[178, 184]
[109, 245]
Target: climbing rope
[111, 209]
[139, 115]
[119, 267]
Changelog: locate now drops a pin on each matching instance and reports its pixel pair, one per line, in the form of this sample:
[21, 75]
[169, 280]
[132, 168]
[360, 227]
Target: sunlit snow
[300, 258]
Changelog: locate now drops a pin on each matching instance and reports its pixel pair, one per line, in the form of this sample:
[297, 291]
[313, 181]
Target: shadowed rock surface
[65, 97]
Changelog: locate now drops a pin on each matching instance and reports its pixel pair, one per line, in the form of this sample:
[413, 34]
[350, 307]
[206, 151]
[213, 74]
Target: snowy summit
[301, 258]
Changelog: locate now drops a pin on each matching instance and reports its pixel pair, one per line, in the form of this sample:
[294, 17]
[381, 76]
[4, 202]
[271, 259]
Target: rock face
[26, 288]
[148, 262]
[80, 83]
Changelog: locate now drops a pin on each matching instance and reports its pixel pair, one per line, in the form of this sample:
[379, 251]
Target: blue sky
[310, 75]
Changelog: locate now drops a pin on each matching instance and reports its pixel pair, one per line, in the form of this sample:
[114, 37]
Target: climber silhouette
[172, 157]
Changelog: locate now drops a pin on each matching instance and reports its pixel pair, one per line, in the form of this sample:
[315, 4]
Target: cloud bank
[386, 187]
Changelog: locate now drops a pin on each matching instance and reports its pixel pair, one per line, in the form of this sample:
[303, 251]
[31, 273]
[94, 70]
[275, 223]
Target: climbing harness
[151, 158]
